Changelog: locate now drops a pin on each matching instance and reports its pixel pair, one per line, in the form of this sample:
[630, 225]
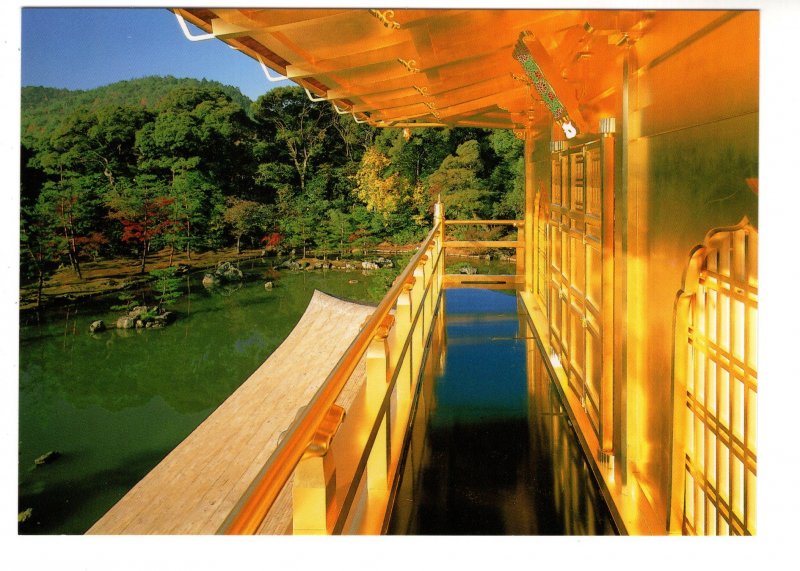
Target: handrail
[487, 222]
[290, 450]
[419, 311]
[483, 244]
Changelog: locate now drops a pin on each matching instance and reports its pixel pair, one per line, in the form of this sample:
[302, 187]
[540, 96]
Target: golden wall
[692, 145]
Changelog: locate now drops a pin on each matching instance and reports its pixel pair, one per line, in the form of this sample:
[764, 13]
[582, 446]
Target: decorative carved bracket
[410, 65]
[386, 18]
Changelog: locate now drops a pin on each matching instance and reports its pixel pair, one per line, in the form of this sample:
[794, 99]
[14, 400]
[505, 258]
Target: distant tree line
[190, 166]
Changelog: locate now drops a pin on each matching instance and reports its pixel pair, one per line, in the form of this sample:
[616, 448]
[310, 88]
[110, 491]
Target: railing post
[430, 300]
[314, 486]
[438, 217]
[520, 254]
[402, 329]
[422, 274]
[378, 372]
[417, 329]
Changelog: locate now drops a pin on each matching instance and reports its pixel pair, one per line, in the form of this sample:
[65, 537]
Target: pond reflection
[115, 403]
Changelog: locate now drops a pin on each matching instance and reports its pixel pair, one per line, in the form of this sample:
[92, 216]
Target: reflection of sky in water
[482, 377]
[255, 340]
[480, 302]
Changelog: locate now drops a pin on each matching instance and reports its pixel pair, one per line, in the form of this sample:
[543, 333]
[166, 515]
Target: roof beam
[564, 92]
[271, 19]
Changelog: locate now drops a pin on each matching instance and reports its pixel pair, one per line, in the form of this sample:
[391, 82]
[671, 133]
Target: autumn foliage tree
[144, 211]
[381, 193]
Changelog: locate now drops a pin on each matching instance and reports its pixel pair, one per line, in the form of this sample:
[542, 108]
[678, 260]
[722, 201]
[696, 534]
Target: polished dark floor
[491, 451]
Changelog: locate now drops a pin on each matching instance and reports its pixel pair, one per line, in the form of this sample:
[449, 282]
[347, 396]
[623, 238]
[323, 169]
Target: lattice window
[719, 372]
[576, 265]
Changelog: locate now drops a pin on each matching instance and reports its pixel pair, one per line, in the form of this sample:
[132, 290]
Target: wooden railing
[489, 281]
[344, 464]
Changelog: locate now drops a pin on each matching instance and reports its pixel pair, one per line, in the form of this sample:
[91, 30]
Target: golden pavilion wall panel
[692, 146]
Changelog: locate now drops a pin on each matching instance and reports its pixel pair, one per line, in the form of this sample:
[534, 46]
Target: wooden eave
[440, 67]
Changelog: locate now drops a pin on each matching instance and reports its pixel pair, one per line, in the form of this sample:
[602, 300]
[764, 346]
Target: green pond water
[113, 404]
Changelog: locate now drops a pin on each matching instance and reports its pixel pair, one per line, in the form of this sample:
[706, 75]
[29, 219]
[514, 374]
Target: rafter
[464, 57]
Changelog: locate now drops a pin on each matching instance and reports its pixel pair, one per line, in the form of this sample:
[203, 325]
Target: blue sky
[83, 48]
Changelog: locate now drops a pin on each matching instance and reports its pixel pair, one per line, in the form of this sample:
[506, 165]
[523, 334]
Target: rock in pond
[224, 273]
[227, 272]
[47, 458]
[165, 318]
[97, 326]
[137, 312]
[210, 280]
[268, 285]
[126, 322]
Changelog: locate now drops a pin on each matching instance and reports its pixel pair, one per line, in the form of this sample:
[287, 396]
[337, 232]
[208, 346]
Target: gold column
[621, 207]
[520, 253]
[530, 206]
[607, 128]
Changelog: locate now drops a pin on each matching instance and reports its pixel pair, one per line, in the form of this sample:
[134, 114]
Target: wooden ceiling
[411, 67]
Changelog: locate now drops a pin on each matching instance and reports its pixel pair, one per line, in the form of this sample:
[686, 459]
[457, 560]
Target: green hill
[44, 107]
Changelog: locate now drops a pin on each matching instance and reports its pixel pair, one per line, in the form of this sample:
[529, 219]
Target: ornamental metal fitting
[386, 18]
[608, 126]
[422, 90]
[410, 65]
[519, 134]
[543, 87]
[321, 441]
[382, 332]
[432, 106]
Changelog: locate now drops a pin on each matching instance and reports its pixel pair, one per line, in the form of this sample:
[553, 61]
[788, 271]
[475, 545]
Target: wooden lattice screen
[716, 365]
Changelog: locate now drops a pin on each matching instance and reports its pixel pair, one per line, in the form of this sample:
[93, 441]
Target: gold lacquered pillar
[530, 206]
[520, 252]
[607, 129]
